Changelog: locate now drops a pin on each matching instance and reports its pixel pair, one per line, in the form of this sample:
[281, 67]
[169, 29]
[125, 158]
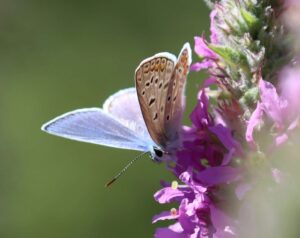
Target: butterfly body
[144, 118]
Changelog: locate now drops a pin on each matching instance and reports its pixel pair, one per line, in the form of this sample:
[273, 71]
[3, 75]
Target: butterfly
[145, 118]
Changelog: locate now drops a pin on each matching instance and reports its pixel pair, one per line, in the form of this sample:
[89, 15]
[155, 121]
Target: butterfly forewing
[93, 125]
[160, 84]
[152, 79]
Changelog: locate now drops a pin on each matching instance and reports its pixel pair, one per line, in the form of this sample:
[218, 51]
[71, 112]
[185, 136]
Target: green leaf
[232, 57]
[251, 20]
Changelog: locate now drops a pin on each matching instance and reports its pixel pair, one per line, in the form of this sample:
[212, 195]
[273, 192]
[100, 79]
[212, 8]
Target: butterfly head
[157, 154]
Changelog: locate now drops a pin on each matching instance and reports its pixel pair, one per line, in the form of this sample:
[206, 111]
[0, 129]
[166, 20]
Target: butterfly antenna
[109, 183]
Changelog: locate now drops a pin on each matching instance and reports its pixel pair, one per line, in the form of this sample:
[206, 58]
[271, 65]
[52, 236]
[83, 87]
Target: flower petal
[225, 136]
[272, 105]
[219, 175]
[202, 49]
[200, 117]
[173, 231]
[168, 194]
[166, 215]
[280, 139]
[205, 64]
[209, 82]
[227, 158]
[224, 224]
[187, 179]
[255, 119]
[187, 218]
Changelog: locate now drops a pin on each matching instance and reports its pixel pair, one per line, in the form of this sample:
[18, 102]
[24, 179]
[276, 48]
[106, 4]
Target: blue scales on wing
[94, 125]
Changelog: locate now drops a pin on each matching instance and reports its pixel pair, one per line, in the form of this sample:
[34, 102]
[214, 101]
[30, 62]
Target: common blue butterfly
[145, 118]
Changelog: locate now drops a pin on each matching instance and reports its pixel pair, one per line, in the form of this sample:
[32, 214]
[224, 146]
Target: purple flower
[254, 121]
[202, 165]
[215, 178]
[205, 64]
[200, 116]
[219, 175]
[193, 216]
[206, 143]
[281, 111]
[197, 216]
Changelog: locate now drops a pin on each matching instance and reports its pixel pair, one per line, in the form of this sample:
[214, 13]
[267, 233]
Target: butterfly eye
[159, 153]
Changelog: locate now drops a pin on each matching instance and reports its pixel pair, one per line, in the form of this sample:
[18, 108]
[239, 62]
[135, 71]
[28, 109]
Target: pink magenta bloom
[211, 142]
[193, 216]
[196, 217]
[214, 163]
[281, 111]
[202, 165]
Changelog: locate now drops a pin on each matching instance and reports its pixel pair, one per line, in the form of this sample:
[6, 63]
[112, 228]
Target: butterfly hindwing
[175, 102]
[124, 107]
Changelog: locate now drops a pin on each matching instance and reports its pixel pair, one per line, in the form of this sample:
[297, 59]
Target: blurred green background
[56, 56]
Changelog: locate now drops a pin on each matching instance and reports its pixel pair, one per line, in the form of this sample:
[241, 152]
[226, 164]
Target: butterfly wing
[125, 108]
[160, 82]
[152, 79]
[175, 102]
[93, 125]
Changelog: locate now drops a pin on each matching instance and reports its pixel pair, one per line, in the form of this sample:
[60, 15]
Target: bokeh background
[60, 55]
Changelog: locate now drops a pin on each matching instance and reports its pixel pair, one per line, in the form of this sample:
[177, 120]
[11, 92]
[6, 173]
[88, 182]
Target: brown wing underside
[152, 84]
[160, 85]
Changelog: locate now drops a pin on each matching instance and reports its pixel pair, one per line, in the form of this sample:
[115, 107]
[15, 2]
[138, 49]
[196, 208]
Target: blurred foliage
[56, 56]
[274, 211]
